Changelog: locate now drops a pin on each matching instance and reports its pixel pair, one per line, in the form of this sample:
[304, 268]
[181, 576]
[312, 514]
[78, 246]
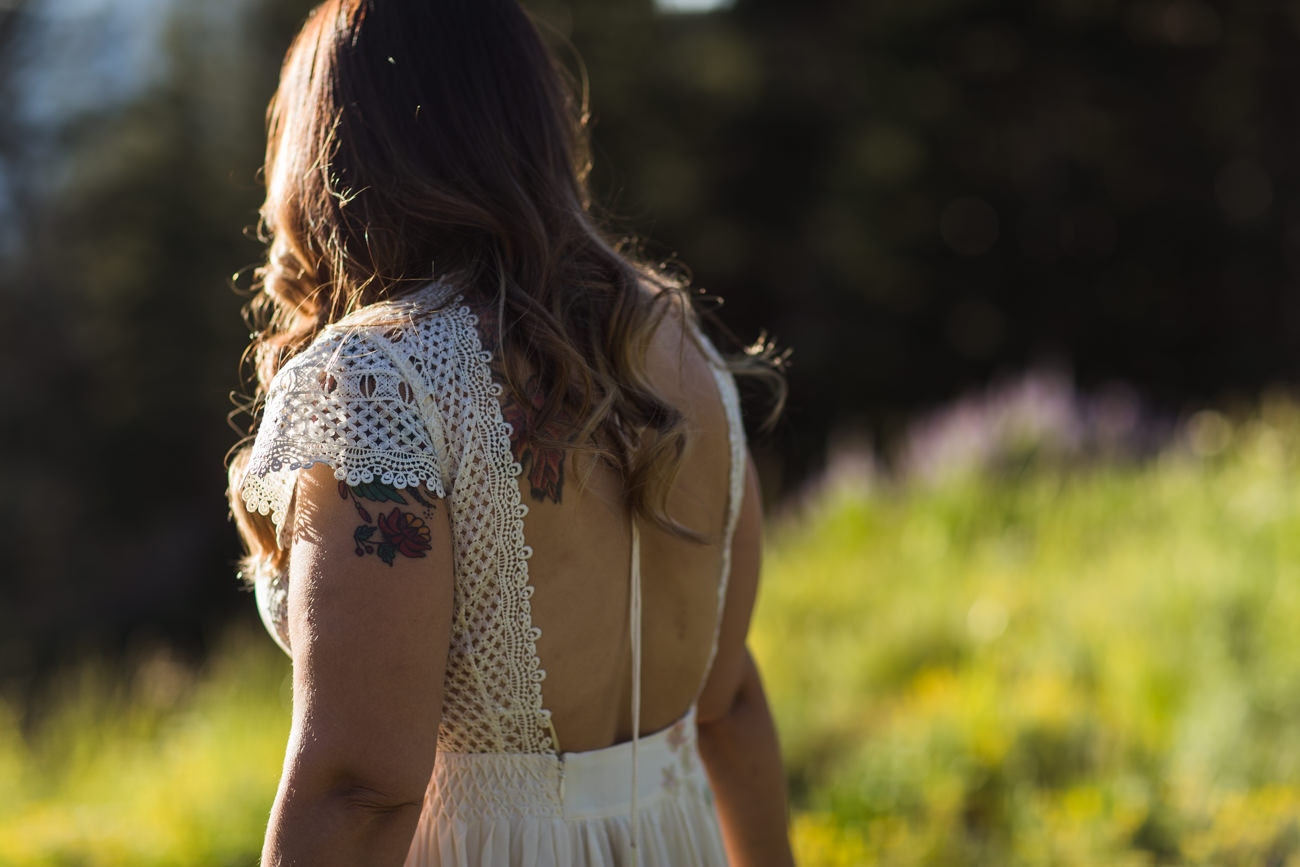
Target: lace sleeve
[345, 402]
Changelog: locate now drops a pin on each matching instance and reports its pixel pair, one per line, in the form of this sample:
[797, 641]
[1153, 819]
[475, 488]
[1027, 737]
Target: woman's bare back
[580, 532]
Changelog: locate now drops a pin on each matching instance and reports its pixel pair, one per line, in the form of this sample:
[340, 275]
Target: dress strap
[736, 485]
[634, 618]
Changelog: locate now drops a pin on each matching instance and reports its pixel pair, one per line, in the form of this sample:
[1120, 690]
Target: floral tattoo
[544, 464]
[399, 532]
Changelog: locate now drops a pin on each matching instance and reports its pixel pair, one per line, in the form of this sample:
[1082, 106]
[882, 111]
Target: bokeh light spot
[986, 619]
[688, 6]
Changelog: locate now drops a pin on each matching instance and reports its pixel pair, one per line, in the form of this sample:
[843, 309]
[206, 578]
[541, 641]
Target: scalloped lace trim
[493, 664]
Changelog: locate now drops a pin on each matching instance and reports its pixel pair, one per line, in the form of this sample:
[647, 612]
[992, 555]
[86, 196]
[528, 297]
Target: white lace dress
[404, 393]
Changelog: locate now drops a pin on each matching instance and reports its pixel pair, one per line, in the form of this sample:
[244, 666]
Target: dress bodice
[403, 392]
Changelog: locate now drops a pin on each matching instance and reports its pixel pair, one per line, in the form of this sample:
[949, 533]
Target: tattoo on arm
[400, 532]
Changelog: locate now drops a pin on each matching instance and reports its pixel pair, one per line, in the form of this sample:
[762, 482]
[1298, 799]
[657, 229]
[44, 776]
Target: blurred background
[1034, 552]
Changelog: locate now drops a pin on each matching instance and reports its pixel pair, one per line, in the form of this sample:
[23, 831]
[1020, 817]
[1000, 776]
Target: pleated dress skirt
[572, 810]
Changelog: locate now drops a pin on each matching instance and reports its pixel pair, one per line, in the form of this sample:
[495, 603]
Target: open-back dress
[404, 393]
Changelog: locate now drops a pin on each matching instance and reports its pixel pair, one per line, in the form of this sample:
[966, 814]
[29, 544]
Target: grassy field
[1060, 666]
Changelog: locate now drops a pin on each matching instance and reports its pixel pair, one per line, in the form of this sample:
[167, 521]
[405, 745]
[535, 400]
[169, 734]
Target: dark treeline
[915, 196]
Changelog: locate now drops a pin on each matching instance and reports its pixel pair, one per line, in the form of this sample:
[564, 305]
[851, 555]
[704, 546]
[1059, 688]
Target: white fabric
[577, 808]
[404, 392]
[736, 433]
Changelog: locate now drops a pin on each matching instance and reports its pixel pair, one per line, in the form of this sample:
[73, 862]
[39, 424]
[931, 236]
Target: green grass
[1065, 666]
[172, 767]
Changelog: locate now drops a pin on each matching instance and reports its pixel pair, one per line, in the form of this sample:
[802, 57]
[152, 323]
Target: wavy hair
[413, 139]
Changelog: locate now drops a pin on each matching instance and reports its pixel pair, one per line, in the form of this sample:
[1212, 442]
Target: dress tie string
[635, 620]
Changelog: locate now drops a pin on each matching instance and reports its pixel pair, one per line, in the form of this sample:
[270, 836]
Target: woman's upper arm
[369, 610]
[730, 664]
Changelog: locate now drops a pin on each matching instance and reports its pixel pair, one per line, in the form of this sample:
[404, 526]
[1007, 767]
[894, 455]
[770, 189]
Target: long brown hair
[421, 139]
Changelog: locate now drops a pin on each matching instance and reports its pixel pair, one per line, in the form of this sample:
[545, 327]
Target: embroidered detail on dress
[681, 743]
[677, 735]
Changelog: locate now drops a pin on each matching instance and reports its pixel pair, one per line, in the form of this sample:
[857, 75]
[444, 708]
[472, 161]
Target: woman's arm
[738, 742]
[370, 600]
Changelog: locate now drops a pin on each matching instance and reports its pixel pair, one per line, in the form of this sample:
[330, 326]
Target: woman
[471, 396]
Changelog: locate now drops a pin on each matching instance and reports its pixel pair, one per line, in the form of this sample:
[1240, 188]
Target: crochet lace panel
[492, 692]
[409, 398]
[341, 402]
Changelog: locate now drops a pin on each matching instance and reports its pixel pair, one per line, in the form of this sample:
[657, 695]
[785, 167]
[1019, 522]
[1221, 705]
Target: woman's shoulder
[355, 399]
[429, 299]
[679, 341]
[383, 332]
